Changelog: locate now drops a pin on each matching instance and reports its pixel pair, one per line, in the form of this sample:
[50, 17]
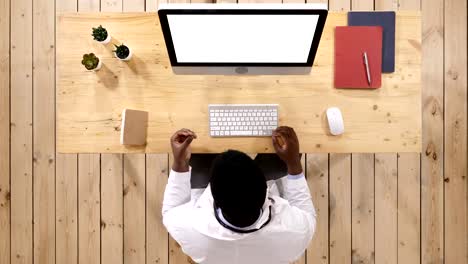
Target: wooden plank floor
[105, 208]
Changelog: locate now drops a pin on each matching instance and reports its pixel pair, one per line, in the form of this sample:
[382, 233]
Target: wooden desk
[89, 104]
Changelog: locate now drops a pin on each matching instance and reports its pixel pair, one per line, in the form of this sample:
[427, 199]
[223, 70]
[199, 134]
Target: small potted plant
[91, 62]
[122, 52]
[100, 35]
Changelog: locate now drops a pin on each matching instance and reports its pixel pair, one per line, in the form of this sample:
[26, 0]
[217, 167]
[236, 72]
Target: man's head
[238, 187]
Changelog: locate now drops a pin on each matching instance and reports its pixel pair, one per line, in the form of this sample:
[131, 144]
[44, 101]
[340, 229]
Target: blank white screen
[242, 38]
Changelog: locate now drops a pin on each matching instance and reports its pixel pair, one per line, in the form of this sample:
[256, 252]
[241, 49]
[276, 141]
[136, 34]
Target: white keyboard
[242, 120]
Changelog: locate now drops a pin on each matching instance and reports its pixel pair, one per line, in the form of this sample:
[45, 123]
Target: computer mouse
[335, 121]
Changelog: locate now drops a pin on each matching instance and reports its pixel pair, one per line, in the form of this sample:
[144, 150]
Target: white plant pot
[98, 66]
[128, 57]
[107, 40]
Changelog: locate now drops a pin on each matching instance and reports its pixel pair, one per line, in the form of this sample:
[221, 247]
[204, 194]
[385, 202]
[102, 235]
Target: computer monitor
[242, 38]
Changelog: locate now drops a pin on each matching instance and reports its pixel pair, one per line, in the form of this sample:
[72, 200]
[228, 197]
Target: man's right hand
[286, 145]
[180, 143]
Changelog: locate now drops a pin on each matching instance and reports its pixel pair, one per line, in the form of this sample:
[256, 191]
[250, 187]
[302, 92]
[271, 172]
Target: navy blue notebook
[387, 21]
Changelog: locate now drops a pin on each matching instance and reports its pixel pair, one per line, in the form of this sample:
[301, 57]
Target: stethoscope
[242, 231]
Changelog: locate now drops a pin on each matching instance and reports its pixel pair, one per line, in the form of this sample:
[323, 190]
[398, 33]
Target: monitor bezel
[162, 13]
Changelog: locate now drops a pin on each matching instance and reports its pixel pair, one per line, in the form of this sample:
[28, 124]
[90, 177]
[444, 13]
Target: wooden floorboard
[134, 5]
[409, 221]
[89, 205]
[134, 208]
[66, 6]
[111, 6]
[157, 238]
[362, 206]
[318, 179]
[340, 208]
[44, 131]
[89, 5]
[112, 222]
[5, 132]
[409, 4]
[66, 225]
[68, 208]
[21, 132]
[386, 213]
[362, 5]
[455, 142]
[66, 189]
[432, 158]
[386, 5]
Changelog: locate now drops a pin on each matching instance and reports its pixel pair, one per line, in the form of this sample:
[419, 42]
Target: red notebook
[350, 45]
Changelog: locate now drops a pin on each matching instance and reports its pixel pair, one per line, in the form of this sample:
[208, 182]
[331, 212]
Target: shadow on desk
[107, 77]
[138, 67]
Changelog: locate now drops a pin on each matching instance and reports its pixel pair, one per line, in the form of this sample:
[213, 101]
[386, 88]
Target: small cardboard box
[134, 126]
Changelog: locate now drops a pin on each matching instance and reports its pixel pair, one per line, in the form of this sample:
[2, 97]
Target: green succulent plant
[99, 33]
[90, 61]
[122, 51]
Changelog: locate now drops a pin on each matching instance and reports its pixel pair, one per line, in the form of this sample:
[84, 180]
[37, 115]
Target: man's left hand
[180, 143]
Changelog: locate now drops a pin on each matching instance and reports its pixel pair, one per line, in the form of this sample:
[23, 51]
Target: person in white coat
[237, 218]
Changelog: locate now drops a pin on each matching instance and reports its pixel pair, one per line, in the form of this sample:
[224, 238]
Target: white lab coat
[189, 218]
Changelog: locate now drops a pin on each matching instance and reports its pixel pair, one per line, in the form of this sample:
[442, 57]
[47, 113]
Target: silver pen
[366, 63]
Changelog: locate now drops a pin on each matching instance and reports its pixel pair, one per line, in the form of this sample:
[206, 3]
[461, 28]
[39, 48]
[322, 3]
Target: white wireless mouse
[335, 121]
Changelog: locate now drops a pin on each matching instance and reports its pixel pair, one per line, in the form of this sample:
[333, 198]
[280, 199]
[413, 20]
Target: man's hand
[180, 143]
[286, 146]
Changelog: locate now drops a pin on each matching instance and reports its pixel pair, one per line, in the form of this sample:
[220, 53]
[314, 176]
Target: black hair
[238, 186]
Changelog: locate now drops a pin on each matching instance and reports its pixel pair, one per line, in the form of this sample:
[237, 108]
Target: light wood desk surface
[89, 104]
